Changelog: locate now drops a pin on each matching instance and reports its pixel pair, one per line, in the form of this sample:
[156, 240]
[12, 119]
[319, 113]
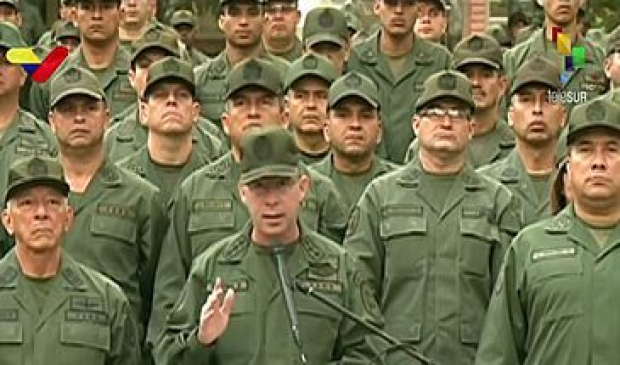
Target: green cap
[183, 17]
[500, 34]
[74, 80]
[268, 152]
[353, 84]
[596, 113]
[156, 39]
[170, 69]
[446, 84]
[66, 29]
[478, 49]
[441, 5]
[311, 65]
[10, 36]
[537, 70]
[14, 3]
[325, 24]
[254, 72]
[36, 170]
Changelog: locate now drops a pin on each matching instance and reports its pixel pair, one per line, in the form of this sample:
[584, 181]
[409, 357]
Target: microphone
[393, 341]
[287, 293]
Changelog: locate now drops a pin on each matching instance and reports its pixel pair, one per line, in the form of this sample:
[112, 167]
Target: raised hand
[215, 313]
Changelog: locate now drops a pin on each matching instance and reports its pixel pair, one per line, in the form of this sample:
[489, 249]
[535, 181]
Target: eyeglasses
[438, 114]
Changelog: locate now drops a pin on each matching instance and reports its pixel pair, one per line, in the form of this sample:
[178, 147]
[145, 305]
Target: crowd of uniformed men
[460, 200]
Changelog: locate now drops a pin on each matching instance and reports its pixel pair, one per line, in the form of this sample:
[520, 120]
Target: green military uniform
[398, 90]
[168, 178]
[555, 300]
[325, 24]
[208, 207]
[261, 335]
[114, 80]
[532, 190]
[65, 29]
[292, 54]
[314, 66]
[77, 316]
[433, 246]
[351, 186]
[24, 136]
[363, 12]
[590, 79]
[32, 26]
[186, 17]
[118, 220]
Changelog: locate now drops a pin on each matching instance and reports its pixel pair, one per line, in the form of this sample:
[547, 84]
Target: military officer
[353, 130]
[556, 297]
[242, 22]
[399, 62]
[612, 62]
[325, 32]
[24, 16]
[128, 132]
[479, 57]
[66, 12]
[307, 83]
[431, 22]
[205, 326]
[432, 234]
[537, 120]
[208, 206]
[119, 220]
[21, 134]
[184, 23]
[135, 21]
[99, 52]
[280, 34]
[53, 309]
[171, 113]
[66, 34]
[562, 14]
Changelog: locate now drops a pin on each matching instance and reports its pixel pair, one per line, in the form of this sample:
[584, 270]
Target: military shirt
[294, 53]
[114, 80]
[432, 271]
[208, 208]
[590, 79]
[258, 332]
[140, 163]
[24, 136]
[556, 299]
[482, 150]
[398, 95]
[351, 194]
[195, 57]
[513, 175]
[211, 85]
[85, 320]
[117, 229]
[127, 135]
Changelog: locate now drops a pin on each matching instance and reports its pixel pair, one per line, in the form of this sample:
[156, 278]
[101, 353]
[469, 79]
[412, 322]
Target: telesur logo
[39, 71]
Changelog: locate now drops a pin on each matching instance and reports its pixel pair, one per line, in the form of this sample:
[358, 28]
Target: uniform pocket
[404, 233]
[82, 341]
[11, 342]
[122, 230]
[478, 238]
[205, 228]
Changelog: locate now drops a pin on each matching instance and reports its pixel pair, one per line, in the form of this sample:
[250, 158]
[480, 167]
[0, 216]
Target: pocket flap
[121, 229]
[11, 333]
[85, 334]
[404, 330]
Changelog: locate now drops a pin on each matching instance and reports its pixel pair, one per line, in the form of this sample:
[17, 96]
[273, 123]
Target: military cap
[75, 80]
[441, 4]
[537, 70]
[225, 2]
[14, 3]
[500, 34]
[478, 49]
[36, 170]
[311, 65]
[268, 152]
[10, 36]
[170, 69]
[254, 72]
[596, 113]
[183, 17]
[446, 84]
[156, 39]
[66, 29]
[613, 41]
[92, 1]
[353, 84]
[325, 24]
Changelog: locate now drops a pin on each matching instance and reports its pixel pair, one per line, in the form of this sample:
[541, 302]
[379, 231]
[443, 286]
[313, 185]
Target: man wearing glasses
[431, 236]
[279, 36]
